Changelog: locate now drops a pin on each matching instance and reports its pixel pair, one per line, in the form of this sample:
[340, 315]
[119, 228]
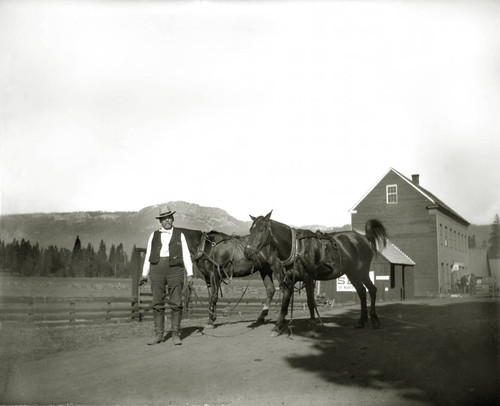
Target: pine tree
[77, 249]
[77, 260]
[90, 261]
[472, 241]
[11, 256]
[133, 264]
[101, 253]
[112, 259]
[494, 240]
[2, 254]
[121, 262]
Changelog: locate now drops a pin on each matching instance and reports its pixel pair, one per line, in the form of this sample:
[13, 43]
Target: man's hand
[190, 280]
[143, 280]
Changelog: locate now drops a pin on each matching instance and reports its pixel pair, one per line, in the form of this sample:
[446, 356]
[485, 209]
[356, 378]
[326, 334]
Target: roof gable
[435, 202]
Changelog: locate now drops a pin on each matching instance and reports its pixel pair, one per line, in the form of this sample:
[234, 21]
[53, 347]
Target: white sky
[300, 107]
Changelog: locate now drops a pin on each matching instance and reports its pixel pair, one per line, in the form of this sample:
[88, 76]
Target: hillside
[128, 228]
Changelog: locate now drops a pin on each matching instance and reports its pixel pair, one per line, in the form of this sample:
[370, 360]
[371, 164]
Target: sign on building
[344, 285]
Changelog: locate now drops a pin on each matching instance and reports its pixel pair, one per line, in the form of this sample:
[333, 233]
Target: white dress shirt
[166, 235]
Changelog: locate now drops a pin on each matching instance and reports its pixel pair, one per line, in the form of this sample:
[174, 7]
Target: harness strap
[201, 248]
[293, 251]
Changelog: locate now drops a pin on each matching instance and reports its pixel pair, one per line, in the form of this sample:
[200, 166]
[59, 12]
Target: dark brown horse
[307, 256]
[218, 257]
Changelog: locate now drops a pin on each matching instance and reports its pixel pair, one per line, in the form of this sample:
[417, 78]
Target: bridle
[294, 246]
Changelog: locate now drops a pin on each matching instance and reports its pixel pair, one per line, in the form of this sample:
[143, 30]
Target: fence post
[136, 276]
[30, 310]
[72, 306]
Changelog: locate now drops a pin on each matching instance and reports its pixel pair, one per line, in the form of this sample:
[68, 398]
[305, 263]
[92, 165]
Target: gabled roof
[392, 253]
[436, 203]
[395, 256]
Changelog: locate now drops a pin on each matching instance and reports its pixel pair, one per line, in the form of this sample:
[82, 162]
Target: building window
[441, 234]
[392, 194]
[445, 236]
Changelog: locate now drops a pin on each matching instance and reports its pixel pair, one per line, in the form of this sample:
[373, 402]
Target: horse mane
[190, 232]
[219, 233]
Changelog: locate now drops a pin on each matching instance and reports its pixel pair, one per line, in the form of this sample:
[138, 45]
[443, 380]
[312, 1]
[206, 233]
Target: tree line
[23, 258]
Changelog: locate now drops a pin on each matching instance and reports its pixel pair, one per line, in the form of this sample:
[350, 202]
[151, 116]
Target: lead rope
[238, 302]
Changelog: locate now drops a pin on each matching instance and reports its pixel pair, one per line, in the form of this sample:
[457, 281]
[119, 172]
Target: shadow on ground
[443, 355]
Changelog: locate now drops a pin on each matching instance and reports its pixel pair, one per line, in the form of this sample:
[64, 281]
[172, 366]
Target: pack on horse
[218, 257]
[307, 256]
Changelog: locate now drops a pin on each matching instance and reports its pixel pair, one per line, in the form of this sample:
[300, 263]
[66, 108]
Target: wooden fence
[73, 310]
[80, 310]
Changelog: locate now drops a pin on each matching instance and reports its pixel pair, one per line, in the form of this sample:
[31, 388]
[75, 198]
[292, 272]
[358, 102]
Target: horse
[218, 256]
[309, 256]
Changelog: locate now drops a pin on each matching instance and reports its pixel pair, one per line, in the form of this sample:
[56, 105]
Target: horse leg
[213, 296]
[267, 279]
[311, 302]
[360, 289]
[372, 290]
[287, 288]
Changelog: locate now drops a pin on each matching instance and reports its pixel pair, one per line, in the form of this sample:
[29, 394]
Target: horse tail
[375, 233]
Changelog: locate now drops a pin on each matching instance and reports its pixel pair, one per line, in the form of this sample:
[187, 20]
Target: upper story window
[391, 194]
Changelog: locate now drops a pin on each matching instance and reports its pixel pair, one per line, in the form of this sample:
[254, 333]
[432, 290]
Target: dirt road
[436, 352]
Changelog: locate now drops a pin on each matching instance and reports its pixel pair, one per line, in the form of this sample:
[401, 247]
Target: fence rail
[80, 310]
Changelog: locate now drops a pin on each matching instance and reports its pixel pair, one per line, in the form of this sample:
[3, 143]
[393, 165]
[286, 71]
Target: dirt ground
[433, 352]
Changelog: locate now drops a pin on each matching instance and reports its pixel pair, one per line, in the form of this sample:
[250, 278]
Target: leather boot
[159, 322]
[175, 320]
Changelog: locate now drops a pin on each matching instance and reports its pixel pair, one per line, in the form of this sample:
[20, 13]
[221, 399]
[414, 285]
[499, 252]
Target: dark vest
[174, 248]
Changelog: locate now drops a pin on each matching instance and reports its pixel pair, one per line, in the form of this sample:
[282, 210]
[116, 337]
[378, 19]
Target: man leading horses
[166, 263]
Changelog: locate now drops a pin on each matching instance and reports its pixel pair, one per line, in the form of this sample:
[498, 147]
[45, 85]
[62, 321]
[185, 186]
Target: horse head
[260, 236]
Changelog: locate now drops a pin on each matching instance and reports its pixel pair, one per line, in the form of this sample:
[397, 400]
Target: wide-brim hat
[164, 211]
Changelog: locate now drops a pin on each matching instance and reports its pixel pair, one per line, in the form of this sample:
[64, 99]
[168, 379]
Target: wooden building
[433, 235]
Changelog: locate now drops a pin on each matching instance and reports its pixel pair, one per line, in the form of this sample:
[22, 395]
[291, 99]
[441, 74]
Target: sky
[299, 107]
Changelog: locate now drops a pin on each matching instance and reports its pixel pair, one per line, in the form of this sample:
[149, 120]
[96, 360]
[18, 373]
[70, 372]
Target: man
[166, 262]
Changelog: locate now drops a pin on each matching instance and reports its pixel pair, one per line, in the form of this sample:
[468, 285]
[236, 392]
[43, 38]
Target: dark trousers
[167, 284]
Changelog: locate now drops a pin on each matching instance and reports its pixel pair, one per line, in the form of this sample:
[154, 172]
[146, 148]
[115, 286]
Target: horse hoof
[360, 325]
[375, 324]
[208, 326]
[275, 334]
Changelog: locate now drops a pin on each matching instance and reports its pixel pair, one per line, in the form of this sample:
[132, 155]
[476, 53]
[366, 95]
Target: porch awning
[395, 256]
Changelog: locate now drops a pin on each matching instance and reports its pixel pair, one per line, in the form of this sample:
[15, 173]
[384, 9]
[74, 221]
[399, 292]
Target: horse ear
[252, 217]
[268, 215]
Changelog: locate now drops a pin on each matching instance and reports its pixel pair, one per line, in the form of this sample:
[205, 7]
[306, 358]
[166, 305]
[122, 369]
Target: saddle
[329, 252]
